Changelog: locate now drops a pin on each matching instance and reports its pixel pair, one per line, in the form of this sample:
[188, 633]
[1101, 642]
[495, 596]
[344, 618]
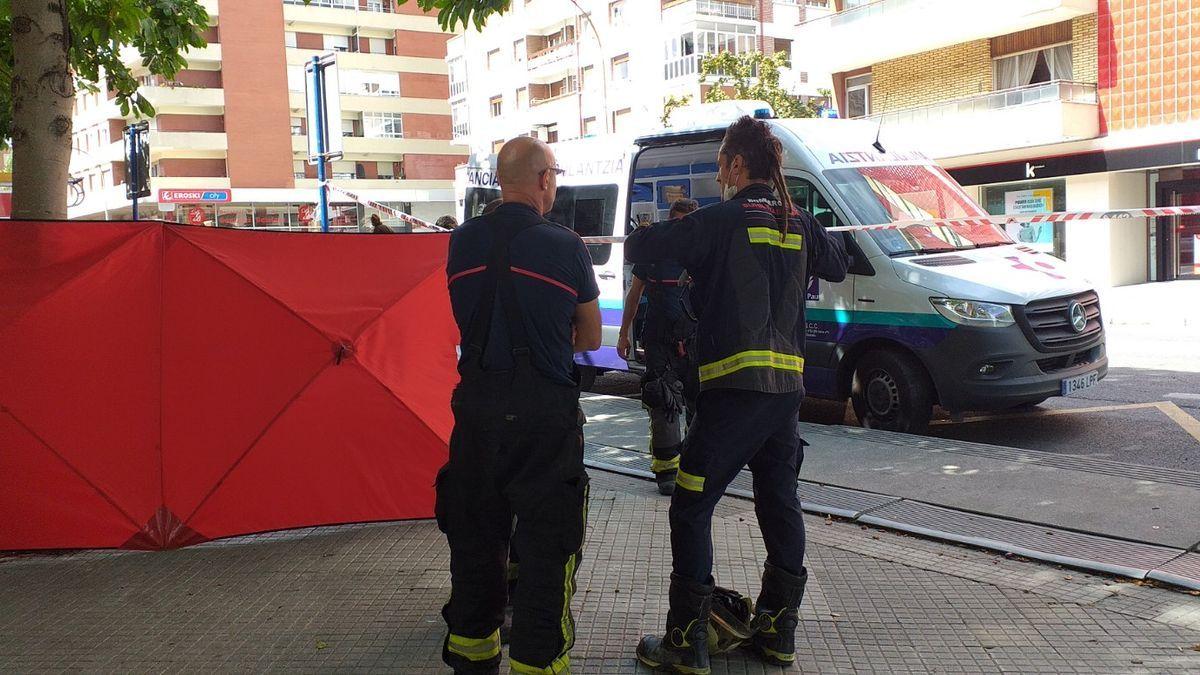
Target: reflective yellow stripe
[660, 465]
[560, 666]
[770, 236]
[778, 655]
[687, 481]
[754, 358]
[475, 649]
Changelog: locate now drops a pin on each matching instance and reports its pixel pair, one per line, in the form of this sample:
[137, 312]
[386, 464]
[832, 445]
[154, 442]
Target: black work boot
[776, 615]
[684, 648]
[665, 467]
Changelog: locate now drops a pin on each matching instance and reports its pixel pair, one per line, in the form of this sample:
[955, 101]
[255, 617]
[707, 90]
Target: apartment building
[559, 70]
[1040, 105]
[228, 145]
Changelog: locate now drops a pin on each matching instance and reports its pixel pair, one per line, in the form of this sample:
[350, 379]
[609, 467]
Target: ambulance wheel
[587, 378]
[892, 392]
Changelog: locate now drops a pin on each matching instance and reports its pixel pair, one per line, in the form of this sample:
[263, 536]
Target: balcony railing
[462, 130]
[1064, 91]
[381, 6]
[729, 10]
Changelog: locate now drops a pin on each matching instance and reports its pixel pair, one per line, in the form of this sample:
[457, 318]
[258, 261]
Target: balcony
[187, 100]
[188, 144]
[378, 6]
[368, 14]
[1039, 114]
[727, 10]
[462, 130]
[888, 29]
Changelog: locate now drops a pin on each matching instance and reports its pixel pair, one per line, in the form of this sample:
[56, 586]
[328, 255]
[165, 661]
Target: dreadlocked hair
[763, 154]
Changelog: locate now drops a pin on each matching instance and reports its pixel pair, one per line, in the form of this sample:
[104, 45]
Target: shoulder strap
[498, 279]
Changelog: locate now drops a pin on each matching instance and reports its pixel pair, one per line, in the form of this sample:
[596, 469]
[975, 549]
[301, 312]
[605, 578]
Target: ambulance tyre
[587, 378]
[891, 391]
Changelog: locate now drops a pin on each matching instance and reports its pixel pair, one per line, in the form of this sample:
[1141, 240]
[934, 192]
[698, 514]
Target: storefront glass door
[1179, 256]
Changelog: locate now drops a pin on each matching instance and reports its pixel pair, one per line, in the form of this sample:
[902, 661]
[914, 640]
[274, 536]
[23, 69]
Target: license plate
[1079, 383]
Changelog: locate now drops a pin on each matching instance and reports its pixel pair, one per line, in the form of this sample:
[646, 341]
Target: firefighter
[525, 299]
[750, 258]
[669, 385]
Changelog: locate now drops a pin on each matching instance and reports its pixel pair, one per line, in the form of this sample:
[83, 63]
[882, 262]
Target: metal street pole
[133, 164]
[319, 102]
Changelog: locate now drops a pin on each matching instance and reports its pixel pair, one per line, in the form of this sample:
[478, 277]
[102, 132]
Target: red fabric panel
[347, 436]
[164, 385]
[81, 362]
[233, 358]
[44, 504]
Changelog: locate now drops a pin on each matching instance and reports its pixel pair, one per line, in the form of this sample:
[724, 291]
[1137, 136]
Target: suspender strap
[498, 279]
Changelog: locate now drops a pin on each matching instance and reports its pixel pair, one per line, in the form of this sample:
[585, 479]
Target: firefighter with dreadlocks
[750, 258]
[669, 385]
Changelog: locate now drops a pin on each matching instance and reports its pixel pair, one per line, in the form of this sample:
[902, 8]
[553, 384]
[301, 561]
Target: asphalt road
[1147, 411]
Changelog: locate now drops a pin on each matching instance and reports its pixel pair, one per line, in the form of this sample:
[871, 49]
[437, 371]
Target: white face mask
[728, 192]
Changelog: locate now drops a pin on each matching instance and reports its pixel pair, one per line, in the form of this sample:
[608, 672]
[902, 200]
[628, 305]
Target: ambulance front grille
[1047, 323]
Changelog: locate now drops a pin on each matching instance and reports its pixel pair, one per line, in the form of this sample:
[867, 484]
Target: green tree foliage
[752, 76]
[670, 105]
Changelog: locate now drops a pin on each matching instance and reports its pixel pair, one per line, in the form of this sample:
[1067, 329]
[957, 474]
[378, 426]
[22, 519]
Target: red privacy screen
[162, 385]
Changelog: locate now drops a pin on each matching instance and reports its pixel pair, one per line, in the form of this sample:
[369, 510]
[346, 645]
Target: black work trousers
[665, 362]
[734, 428]
[530, 468]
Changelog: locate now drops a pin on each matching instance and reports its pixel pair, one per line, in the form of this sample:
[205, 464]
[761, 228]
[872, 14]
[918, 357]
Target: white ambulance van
[955, 315]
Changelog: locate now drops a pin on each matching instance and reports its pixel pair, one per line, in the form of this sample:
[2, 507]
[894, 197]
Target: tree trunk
[43, 95]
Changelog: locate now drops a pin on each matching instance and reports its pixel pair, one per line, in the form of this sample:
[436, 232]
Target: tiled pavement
[367, 598]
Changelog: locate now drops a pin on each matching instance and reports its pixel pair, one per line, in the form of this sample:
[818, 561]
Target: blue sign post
[324, 105]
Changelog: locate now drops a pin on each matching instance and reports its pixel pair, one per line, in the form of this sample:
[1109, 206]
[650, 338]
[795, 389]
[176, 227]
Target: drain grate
[1070, 462]
[1182, 571]
[1035, 541]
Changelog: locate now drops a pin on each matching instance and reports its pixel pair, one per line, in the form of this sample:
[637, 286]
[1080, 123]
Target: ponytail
[763, 154]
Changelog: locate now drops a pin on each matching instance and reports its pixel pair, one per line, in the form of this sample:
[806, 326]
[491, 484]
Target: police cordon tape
[1056, 217]
[395, 213]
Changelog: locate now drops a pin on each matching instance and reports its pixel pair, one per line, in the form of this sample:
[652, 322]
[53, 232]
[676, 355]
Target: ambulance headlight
[974, 312]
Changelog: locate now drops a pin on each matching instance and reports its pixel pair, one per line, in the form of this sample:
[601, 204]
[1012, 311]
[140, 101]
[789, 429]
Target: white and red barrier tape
[1057, 217]
[395, 213]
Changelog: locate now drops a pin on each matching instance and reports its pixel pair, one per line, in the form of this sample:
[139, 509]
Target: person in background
[669, 384]
[525, 300]
[377, 226]
[447, 222]
[750, 257]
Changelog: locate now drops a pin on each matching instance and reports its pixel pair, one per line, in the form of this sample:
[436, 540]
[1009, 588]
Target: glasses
[558, 170]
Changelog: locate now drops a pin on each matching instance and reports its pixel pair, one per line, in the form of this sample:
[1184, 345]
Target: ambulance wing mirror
[857, 263]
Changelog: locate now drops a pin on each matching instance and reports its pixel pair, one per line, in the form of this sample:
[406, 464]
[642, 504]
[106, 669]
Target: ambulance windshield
[885, 194]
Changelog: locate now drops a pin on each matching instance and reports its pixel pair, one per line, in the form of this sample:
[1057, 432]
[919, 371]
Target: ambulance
[956, 315]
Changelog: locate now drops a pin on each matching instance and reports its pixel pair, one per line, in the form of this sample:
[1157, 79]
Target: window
[552, 133]
[377, 45]
[681, 56]
[1035, 67]
[589, 210]
[493, 59]
[858, 96]
[458, 76]
[369, 83]
[383, 125]
[337, 43]
[298, 168]
[496, 145]
[289, 38]
[519, 51]
[348, 128]
[616, 12]
[588, 75]
[620, 68]
[385, 170]
[496, 105]
[459, 119]
[589, 127]
[522, 98]
[620, 121]
[297, 126]
[807, 196]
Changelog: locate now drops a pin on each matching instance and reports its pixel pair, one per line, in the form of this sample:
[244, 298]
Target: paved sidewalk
[367, 598]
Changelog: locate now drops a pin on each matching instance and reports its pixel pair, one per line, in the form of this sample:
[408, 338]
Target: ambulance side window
[808, 197]
[589, 210]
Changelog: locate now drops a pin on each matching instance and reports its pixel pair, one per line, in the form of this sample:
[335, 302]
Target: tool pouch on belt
[664, 392]
[518, 398]
[729, 620]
